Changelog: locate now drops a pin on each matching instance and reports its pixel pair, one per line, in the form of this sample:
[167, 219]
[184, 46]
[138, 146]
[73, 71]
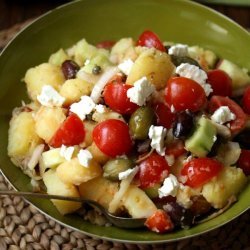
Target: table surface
[16, 11]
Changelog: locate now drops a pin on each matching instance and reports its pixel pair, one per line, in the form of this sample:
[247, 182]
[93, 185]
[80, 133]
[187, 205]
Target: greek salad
[148, 129]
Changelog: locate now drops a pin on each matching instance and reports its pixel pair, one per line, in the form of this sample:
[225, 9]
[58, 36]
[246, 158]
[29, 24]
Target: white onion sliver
[99, 86]
[87, 77]
[113, 205]
[35, 156]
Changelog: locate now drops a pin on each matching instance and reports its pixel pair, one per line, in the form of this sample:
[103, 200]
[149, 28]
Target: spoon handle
[41, 195]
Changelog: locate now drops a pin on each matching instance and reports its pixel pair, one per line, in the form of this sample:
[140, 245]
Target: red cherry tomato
[200, 170]
[105, 44]
[70, 133]
[220, 81]
[239, 123]
[151, 40]
[115, 96]
[184, 93]
[152, 170]
[159, 222]
[244, 161]
[176, 148]
[246, 100]
[112, 137]
[164, 116]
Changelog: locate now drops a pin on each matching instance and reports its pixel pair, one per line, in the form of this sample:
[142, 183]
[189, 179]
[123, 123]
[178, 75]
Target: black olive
[183, 124]
[178, 60]
[69, 69]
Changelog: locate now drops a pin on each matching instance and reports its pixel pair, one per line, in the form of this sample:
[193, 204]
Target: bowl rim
[131, 241]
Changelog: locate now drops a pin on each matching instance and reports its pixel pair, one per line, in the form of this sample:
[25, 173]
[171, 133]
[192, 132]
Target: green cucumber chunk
[202, 139]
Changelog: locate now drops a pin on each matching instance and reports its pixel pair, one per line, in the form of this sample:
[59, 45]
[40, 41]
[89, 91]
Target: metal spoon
[115, 220]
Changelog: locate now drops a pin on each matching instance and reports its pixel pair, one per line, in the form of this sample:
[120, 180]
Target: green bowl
[97, 20]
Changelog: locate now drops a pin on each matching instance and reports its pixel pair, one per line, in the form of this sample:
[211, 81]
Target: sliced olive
[113, 167]
[140, 122]
[178, 60]
[152, 192]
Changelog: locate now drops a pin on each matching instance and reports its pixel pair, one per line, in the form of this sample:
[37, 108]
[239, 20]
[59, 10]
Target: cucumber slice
[239, 77]
[202, 139]
[58, 58]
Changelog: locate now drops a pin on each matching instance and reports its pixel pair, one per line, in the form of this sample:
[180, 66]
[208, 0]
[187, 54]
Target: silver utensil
[121, 222]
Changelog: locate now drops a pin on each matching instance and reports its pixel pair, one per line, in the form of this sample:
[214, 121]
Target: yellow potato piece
[229, 182]
[138, 204]
[88, 127]
[99, 189]
[56, 187]
[43, 74]
[153, 64]
[74, 173]
[22, 135]
[73, 89]
[48, 120]
[98, 155]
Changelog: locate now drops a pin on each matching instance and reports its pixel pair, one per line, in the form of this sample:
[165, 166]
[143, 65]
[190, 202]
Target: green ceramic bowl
[98, 20]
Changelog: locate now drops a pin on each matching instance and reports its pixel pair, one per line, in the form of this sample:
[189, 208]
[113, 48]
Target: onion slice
[35, 156]
[114, 204]
[99, 86]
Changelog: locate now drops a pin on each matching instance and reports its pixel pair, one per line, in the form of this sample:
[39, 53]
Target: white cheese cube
[178, 50]
[84, 157]
[170, 187]
[49, 97]
[141, 91]
[222, 115]
[157, 135]
[126, 66]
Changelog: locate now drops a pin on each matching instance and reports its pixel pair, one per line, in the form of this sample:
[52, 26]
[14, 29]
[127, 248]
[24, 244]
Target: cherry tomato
[115, 96]
[151, 40]
[152, 170]
[246, 100]
[220, 81]
[184, 93]
[164, 116]
[176, 148]
[70, 133]
[239, 123]
[244, 161]
[105, 44]
[198, 171]
[159, 222]
[112, 137]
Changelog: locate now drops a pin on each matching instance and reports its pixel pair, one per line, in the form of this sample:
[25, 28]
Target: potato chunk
[74, 173]
[122, 50]
[99, 189]
[138, 203]
[56, 187]
[98, 155]
[48, 120]
[153, 64]
[22, 135]
[88, 127]
[229, 182]
[73, 89]
[43, 74]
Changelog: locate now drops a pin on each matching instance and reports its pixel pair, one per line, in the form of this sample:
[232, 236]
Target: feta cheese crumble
[141, 91]
[178, 50]
[126, 66]
[100, 108]
[222, 115]
[84, 107]
[170, 187]
[195, 73]
[67, 152]
[125, 174]
[49, 97]
[84, 157]
[157, 135]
